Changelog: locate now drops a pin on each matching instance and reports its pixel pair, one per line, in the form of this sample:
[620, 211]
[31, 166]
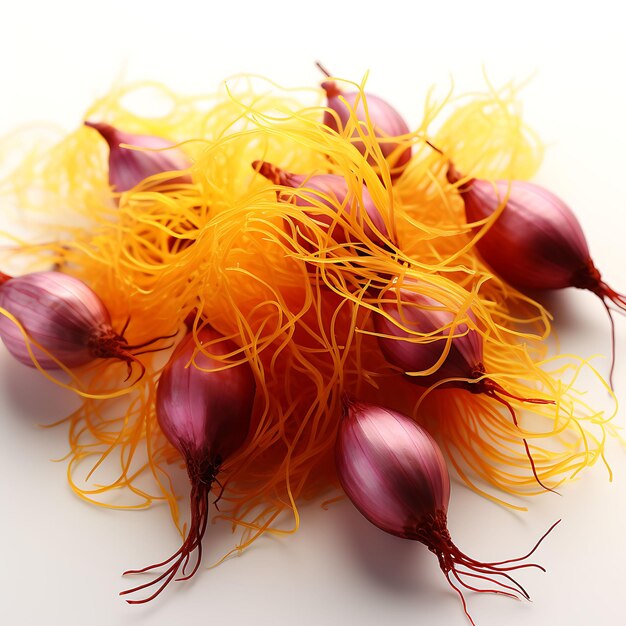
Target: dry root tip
[130, 359]
[105, 343]
[129, 353]
[463, 572]
[495, 391]
[604, 292]
[179, 561]
[145, 344]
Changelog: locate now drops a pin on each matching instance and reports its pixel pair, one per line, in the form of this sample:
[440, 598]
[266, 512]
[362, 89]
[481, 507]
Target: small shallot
[385, 120]
[536, 242]
[129, 166]
[409, 314]
[331, 192]
[395, 474]
[204, 410]
[65, 317]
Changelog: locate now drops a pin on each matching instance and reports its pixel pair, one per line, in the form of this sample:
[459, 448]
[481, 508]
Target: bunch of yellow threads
[219, 243]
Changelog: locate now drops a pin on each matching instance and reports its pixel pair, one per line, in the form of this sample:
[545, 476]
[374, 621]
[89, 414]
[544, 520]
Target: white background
[60, 559]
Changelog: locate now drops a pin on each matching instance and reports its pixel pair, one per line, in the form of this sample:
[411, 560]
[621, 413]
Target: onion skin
[395, 474]
[63, 315]
[386, 121]
[334, 186]
[128, 167]
[206, 416]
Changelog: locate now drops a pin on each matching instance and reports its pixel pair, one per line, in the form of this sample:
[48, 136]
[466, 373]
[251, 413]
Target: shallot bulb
[64, 316]
[536, 242]
[205, 413]
[386, 121]
[395, 474]
[330, 190]
[128, 167]
[413, 313]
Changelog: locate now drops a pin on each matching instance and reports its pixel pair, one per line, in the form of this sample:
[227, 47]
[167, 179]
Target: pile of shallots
[318, 322]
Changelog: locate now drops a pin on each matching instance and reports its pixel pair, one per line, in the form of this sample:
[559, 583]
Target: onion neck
[454, 176]
[331, 89]
[108, 132]
[273, 173]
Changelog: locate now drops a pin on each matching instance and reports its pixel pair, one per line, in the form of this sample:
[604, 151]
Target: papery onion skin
[395, 474]
[320, 186]
[385, 120]
[205, 412]
[129, 167]
[63, 315]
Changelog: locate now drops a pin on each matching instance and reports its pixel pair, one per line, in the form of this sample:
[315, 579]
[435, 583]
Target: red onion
[64, 316]
[206, 416]
[321, 188]
[416, 313]
[386, 121]
[536, 242]
[128, 167]
[395, 474]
